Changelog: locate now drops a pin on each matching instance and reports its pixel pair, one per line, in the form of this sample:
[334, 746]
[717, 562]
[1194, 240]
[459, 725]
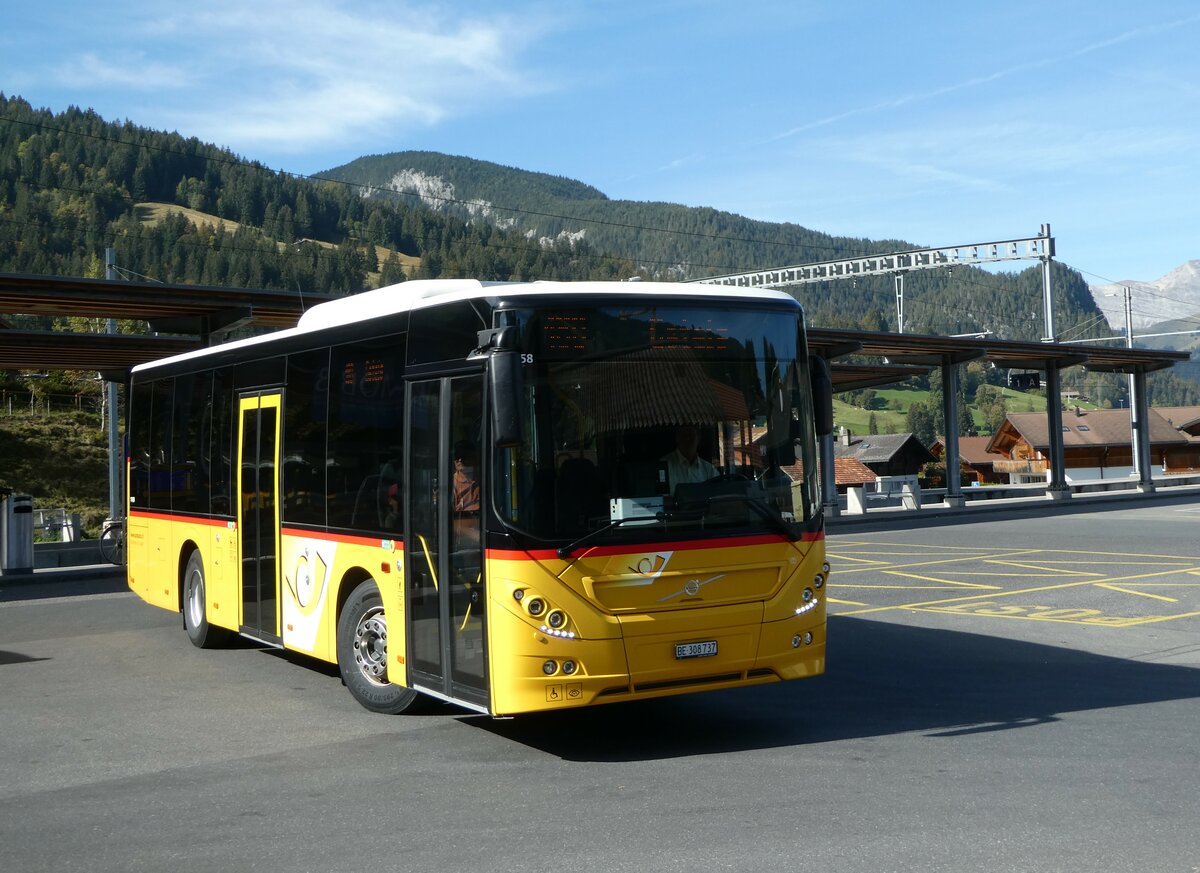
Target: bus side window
[366, 413]
[221, 436]
[304, 432]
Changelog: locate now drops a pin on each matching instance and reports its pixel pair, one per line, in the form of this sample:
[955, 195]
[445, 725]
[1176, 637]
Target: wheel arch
[188, 548]
[351, 579]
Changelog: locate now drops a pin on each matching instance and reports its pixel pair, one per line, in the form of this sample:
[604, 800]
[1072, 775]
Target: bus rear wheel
[362, 653]
[195, 610]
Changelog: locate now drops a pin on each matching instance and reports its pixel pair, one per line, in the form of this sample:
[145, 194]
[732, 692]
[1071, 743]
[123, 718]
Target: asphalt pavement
[1017, 694]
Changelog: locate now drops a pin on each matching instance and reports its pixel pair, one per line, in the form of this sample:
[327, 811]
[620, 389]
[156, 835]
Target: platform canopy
[188, 316]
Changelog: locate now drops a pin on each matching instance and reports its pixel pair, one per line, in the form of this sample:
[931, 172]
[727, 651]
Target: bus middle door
[444, 543]
[258, 512]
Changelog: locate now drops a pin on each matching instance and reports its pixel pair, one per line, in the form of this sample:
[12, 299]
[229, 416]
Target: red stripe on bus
[640, 548]
[349, 539]
[182, 519]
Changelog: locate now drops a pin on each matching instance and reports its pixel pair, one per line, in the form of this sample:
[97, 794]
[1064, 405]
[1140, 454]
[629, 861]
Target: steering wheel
[729, 477]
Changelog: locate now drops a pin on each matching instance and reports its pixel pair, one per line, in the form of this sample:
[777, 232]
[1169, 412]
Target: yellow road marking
[1022, 566]
[1138, 593]
[1077, 584]
[939, 546]
[844, 602]
[835, 557]
[1124, 563]
[955, 560]
[943, 581]
[1154, 619]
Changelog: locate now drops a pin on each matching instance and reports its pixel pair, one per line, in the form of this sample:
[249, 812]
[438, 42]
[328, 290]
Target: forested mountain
[71, 184]
[669, 241]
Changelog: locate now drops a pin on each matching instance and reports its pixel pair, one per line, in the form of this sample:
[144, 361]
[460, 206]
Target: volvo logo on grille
[691, 587]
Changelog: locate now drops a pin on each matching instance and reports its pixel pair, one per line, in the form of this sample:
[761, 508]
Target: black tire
[195, 615]
[362, 653]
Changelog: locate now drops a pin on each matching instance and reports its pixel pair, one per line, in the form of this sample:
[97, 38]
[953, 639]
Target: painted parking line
[1083, 594]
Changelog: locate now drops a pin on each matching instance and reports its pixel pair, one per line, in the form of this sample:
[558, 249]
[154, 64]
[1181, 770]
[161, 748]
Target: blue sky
[937, 123]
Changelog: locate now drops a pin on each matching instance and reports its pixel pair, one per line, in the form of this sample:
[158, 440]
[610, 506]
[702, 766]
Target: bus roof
[420, 293]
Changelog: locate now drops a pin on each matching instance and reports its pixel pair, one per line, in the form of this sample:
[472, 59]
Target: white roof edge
[419, 293]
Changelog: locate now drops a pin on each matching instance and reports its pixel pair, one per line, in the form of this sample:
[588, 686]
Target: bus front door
[258, 512]
[443, 549]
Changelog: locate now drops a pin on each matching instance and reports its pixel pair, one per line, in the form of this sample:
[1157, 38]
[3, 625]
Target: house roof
[1093, 427]
[972, 449]
[878, 448]
[1184, 418]
[851, 471]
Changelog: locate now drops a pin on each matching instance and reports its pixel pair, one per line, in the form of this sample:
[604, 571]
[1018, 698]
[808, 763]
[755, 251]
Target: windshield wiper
[565, 551]
[789, 529]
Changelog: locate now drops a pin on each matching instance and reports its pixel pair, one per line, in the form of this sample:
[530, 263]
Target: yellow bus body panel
[627, 611]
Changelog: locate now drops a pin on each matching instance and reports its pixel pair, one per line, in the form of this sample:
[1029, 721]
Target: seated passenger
[684, 465]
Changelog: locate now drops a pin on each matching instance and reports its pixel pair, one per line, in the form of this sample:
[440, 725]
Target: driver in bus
[684, 464]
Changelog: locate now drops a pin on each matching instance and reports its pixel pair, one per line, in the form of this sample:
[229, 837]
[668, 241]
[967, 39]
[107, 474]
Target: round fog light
[568, 667]
[808, 638]
[796, 641]
[550, 668]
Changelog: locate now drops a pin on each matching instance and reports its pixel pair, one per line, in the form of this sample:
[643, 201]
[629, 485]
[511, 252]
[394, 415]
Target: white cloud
[124, 70]
[291, 76]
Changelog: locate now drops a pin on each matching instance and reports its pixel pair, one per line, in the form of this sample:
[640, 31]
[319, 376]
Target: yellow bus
[513, 497]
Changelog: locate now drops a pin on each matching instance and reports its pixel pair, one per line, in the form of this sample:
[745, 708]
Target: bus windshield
[648, 420]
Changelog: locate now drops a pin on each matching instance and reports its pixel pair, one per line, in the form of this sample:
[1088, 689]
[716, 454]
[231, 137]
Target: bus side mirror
[505, 383]
[822, 394]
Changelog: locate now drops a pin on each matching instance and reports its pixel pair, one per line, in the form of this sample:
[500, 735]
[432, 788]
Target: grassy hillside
[61, 459]
[893, 403]
[153, 213]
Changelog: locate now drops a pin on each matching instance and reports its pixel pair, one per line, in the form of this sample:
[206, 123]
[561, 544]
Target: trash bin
[16, 534]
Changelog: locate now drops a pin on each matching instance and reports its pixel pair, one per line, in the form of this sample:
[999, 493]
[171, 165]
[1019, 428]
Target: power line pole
[115, 455]
[1047, 290]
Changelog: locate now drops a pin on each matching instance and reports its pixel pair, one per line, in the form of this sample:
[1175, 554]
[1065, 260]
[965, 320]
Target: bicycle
[112, 541]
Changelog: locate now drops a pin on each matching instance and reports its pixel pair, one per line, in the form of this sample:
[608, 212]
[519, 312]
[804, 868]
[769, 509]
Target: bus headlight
[818, 581]
[807, 595]
[556, 619]
[536, 606]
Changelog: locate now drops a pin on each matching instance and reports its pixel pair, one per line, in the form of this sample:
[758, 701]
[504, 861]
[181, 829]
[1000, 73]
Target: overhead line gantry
[1040, 247]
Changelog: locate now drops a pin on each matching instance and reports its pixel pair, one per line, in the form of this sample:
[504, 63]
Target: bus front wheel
[195, 611]
[362, 653]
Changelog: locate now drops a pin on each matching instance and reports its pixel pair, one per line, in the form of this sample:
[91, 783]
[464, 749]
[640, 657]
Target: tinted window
[159, 446]
[366, 394]
[446, 333]
[139, 445]
[220, 450]
[190, 476]
[304, 430]
[260, 373]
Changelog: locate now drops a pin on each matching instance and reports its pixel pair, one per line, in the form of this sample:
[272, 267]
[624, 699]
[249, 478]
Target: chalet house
[1096, 444]
[897, 454]
[977, 462]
